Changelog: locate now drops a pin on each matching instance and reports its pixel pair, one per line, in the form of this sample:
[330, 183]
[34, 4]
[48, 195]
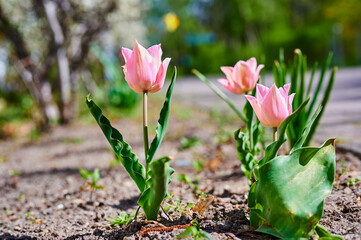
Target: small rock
[347, 190]
[16, 228]
[60, 206]
[98, 232]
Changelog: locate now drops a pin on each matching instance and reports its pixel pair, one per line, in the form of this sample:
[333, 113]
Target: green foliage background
[227, 31]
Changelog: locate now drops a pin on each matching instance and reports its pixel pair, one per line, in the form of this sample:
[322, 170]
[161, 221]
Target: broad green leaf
[162, 121]
[287, 200]
[121, 149]
[219, 93]
[153, 196]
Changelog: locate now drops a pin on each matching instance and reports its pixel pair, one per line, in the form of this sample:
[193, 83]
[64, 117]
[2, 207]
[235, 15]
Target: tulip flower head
[144, 70]
[272, 105]
[242, 77]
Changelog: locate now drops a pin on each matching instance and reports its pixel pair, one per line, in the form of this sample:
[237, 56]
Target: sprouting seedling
[194, 231]
[152, 179]
[198, 164]
[352, 181]
[188, 142]
[122, 219]
[183, 178]
[177, 206]
[94, 177]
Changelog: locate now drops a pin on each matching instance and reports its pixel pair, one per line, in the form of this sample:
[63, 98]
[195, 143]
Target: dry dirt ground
[41, 197]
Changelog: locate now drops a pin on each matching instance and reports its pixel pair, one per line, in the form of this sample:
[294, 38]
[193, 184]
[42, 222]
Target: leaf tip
[88, 97]
[333, 141]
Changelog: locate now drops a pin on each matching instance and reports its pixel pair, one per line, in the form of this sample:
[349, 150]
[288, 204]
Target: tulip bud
[272, 105]
[242, 77]
[144, 70]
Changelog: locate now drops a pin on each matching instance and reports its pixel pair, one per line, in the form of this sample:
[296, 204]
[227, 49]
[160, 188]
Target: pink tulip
[144, 70]
[242, 77]
[272, 105]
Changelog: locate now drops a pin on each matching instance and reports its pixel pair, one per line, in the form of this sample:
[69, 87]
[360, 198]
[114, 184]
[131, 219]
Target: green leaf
[219, 93]
[320, 81]
[96, 176]
[162, 121]
[85, 174]
[306, 130]
[153, 196]
[122, 150]
[287, 200]
[122, 219]
[324, 234]
[188, 232]
[325, 99]
[248, 160]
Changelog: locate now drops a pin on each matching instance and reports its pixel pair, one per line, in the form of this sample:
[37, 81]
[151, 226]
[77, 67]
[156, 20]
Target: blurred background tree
[46, 45]
[212, 33]
[51, 49]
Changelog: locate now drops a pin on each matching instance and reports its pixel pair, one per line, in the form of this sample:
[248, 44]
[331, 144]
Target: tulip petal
[126, 52]
[228, 86]
[290, 100]
[259, 68]
[275, 107]
[284, 91]
[142, 67]
[252, 63]
[256, 107]
[261, 92]
[156, 52]
[246, 75]
[228, 71]
[159, 82]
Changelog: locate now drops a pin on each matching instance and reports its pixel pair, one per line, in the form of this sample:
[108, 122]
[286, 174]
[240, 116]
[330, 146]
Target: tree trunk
[66, 113]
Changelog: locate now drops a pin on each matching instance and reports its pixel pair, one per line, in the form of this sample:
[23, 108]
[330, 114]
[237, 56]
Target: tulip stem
[274, 134]
[145, 131]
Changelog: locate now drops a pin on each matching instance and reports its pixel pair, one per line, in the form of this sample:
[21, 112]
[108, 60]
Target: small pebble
[60, 206]
[347, 191]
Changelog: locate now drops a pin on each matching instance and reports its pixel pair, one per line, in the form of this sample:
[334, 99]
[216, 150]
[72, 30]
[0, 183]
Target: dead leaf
[202, 205]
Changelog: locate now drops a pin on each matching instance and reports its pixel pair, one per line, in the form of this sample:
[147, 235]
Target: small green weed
[352, 181]
[194, 231]
[122, 219]
[188, 142]
[94, 177]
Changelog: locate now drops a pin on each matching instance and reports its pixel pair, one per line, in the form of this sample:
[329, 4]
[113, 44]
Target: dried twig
[144, 231]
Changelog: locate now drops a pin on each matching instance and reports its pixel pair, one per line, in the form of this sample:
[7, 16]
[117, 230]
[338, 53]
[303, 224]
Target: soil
[41, 193]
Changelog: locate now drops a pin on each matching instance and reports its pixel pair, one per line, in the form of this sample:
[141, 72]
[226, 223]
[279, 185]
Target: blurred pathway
[342, 117]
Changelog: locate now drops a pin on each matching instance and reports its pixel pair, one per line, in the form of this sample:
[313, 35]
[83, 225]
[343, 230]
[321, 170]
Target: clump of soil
[40, 185]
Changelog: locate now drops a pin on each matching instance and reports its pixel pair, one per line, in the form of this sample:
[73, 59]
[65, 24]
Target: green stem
[145, 131]
[274, 134]
[219, 93]
[249, 124]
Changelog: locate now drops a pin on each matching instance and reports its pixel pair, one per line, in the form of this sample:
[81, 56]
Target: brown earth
[41, 197]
